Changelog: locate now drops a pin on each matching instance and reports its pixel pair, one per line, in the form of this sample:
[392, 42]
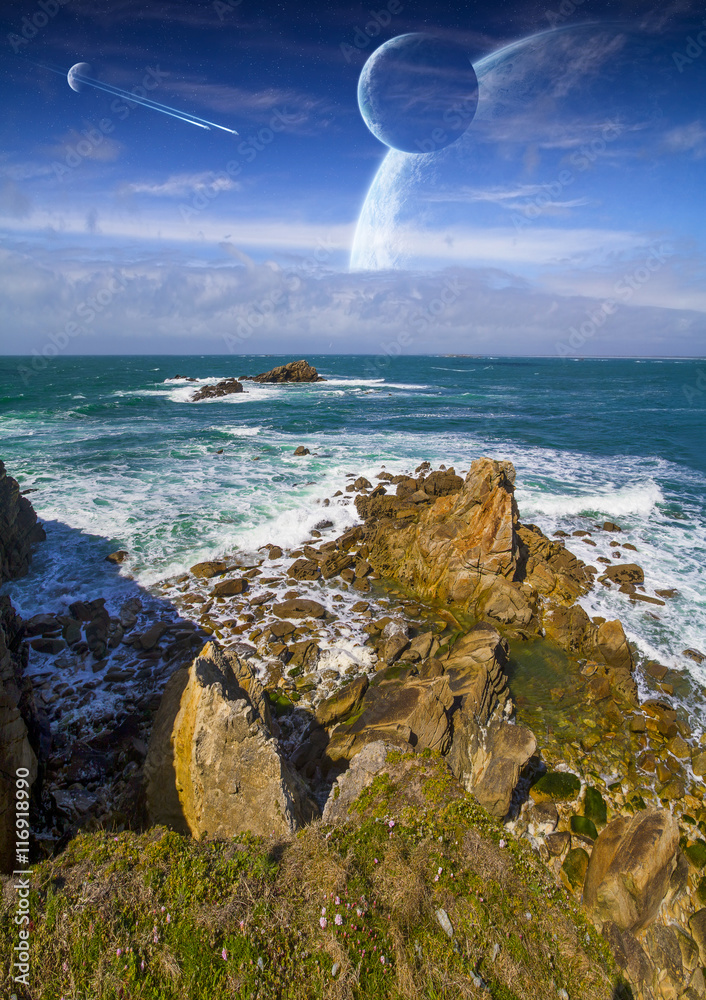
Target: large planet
[586, 157]
[418, 93]
[78, 70]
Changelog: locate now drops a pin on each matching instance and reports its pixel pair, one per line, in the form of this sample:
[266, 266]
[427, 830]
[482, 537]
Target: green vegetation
[594, 807]
[584, 827]
[348, 911]
[559, 786]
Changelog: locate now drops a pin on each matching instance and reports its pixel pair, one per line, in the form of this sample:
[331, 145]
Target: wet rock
[213, 768]
[150, 638]
[304, 569]
[611, 526]
[208, 569]
[226, 387]
[231, 588]
[625, 573]
[299, 607]
[45, 645]
[342, 703]
[41, 624]
[694, 654]
[117, 557]
[274, 552]
[335, 563]
[301, 450]
[631, 867]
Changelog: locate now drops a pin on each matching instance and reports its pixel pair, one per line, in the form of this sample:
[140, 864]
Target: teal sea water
[118, 456]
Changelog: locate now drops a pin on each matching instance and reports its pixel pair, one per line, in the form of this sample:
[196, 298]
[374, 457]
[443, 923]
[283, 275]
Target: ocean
[118, 457]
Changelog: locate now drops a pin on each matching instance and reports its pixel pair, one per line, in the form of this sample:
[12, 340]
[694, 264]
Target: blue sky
[138, 233]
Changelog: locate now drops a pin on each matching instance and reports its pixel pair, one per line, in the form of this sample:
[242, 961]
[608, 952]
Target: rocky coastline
[278, 689]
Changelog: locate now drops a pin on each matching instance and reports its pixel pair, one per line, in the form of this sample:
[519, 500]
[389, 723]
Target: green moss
[584, 827]
[574, 867]
[594, 807]
[559, 786]
[240, 918]
[696, 853]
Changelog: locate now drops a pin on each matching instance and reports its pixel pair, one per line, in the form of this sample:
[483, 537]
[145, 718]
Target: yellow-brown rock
[630, 868]
[213, 767]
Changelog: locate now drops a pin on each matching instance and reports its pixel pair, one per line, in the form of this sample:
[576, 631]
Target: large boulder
[453, 543]
[213, 767]
[19, 529]
[398, 708]
[474, 667]
[630, 868]
[488, 760]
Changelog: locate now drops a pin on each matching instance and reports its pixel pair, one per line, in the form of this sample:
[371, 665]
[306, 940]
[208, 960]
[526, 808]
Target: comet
[79, 76]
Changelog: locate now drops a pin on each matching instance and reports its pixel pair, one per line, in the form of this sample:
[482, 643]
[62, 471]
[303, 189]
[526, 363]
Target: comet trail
[133, 98]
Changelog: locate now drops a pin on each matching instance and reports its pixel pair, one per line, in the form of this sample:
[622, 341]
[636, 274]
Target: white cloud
[177, 307]
[181, 185]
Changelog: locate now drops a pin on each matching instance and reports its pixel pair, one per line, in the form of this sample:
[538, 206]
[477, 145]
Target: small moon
[418, 93]
[79, 69]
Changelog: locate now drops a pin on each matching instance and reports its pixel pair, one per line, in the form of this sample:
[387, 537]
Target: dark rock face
[294, 371]
[225, 388]
[19, 529]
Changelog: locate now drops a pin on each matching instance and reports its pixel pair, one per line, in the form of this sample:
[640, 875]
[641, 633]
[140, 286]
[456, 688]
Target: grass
[159, 916]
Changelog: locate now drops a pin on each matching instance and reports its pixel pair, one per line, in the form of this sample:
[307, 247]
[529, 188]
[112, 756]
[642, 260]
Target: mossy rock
[701, 891]
[573, 871]
[584, 827]
[556, 786]
[594, 807]
[696, 853]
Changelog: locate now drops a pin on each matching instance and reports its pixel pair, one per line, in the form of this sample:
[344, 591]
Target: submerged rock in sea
[224, 388]
[213, 767]
[294, 371]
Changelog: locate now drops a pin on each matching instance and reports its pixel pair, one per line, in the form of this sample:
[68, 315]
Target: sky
[125, 230]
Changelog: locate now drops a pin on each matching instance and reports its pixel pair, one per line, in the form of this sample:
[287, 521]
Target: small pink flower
[338, 920]
[382, 959]
[65, 967]
[242, 924]
[501, 844]
[119, 952]
[375, 860]
[323, 923]
[224, 955]
[440, 870]
[391, 823]
[337, 901]
[323, 911]
[142, 965]
[169, 919]
[163, 909]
